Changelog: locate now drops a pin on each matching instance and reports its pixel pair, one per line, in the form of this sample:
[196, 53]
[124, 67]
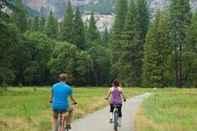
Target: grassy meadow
[169, 110]
[24, 109]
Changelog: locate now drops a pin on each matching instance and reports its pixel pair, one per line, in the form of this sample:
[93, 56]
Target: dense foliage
[155, 52]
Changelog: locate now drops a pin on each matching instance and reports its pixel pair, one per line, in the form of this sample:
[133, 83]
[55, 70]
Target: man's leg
[69, 116]
[62, 120]
[54, 120]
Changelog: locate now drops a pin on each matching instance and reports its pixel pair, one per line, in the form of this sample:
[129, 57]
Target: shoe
[68, 126]
[110, 120]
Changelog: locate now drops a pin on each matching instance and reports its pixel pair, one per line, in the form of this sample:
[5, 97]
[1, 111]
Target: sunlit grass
[169, 110]
[24, 109]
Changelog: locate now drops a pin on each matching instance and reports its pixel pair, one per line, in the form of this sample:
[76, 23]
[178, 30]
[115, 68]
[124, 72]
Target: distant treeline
[138, 51]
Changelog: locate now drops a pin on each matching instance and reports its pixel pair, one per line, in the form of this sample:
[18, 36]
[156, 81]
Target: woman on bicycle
[116, 96]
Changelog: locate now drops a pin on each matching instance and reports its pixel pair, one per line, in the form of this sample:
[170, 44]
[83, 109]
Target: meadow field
[168, 110]
[27, 109]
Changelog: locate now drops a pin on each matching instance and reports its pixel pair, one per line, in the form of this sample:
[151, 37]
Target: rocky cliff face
[58, 6]
[103, 8]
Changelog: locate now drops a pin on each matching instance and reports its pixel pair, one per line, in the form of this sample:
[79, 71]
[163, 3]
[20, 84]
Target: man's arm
[50, 99]
[73, 100]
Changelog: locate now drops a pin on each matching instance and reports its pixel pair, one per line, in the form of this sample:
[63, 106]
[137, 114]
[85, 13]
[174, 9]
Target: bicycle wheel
[115, 120]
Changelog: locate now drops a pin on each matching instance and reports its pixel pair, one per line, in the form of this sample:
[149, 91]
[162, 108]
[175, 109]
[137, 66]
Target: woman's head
[116, 83]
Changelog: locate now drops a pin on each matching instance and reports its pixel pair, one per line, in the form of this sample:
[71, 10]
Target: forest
[139, 50]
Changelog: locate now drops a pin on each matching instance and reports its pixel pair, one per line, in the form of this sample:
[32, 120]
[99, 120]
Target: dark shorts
[60, 110]
[119, 109]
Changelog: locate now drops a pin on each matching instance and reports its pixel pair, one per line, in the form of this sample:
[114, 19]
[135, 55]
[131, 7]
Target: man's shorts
[60, 110]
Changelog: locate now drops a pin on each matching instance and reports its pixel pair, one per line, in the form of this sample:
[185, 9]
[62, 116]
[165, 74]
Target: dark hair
[62, 77]
[116, 83]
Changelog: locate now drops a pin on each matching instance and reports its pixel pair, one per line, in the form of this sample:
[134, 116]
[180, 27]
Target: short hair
[116, 83]
[63, 77]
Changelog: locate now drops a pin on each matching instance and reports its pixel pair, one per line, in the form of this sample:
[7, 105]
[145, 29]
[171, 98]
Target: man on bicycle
[117, 95]
[60, 93]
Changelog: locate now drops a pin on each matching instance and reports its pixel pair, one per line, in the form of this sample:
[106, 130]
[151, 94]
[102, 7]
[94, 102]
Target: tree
[42, 24]
[190, 54]
[70, 59]
[51, 26]
[157, 53]
[92, 32]
[8, 42]
[36, 23]
[118, 26]
[100, 63]
[67, 31]
[141, 30]
[78, 30]
[128, 56]
[38, 48]
[180, 19]
[106, 37]
[20, 16]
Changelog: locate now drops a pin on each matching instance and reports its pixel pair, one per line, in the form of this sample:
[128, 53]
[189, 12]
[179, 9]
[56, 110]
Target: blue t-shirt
[60, 93]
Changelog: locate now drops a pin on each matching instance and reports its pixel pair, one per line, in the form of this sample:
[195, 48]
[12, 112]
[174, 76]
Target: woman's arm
[108, 95]
[123, 95]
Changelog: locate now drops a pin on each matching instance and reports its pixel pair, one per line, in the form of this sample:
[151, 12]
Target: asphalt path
[99, 120]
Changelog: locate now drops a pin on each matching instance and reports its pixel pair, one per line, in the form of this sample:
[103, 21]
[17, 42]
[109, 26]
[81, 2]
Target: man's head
[63, 77]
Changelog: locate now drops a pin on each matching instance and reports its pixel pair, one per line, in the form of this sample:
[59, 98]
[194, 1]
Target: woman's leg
[111, 112]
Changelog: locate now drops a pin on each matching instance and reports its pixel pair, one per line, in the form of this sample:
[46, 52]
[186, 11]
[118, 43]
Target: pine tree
[180, 19]
[190, 54]
[36, 22]
[78, 30]
[20, 16]
[143, 19]
[140, 33]
[67, 33]
[105, 37]
[118, 26]
[129, 48]
[42, 24]
[92, 32]
[51, 26]
[157, 53]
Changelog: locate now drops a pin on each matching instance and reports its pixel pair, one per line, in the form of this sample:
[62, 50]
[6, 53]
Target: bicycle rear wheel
[115, 120]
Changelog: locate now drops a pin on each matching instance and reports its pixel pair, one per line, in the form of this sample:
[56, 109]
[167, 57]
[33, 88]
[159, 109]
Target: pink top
[116, 97]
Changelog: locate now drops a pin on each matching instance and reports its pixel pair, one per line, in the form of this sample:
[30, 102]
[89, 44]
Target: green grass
[169, 110]
[23, 109]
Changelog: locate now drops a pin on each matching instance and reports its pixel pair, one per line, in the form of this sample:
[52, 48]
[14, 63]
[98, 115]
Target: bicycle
[115, 118]
[58, 124]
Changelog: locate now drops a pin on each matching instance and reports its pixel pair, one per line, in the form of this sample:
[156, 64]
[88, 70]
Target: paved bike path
[99, 120]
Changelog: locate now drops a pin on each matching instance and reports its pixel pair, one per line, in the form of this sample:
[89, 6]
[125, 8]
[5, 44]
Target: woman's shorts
[119, 106]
